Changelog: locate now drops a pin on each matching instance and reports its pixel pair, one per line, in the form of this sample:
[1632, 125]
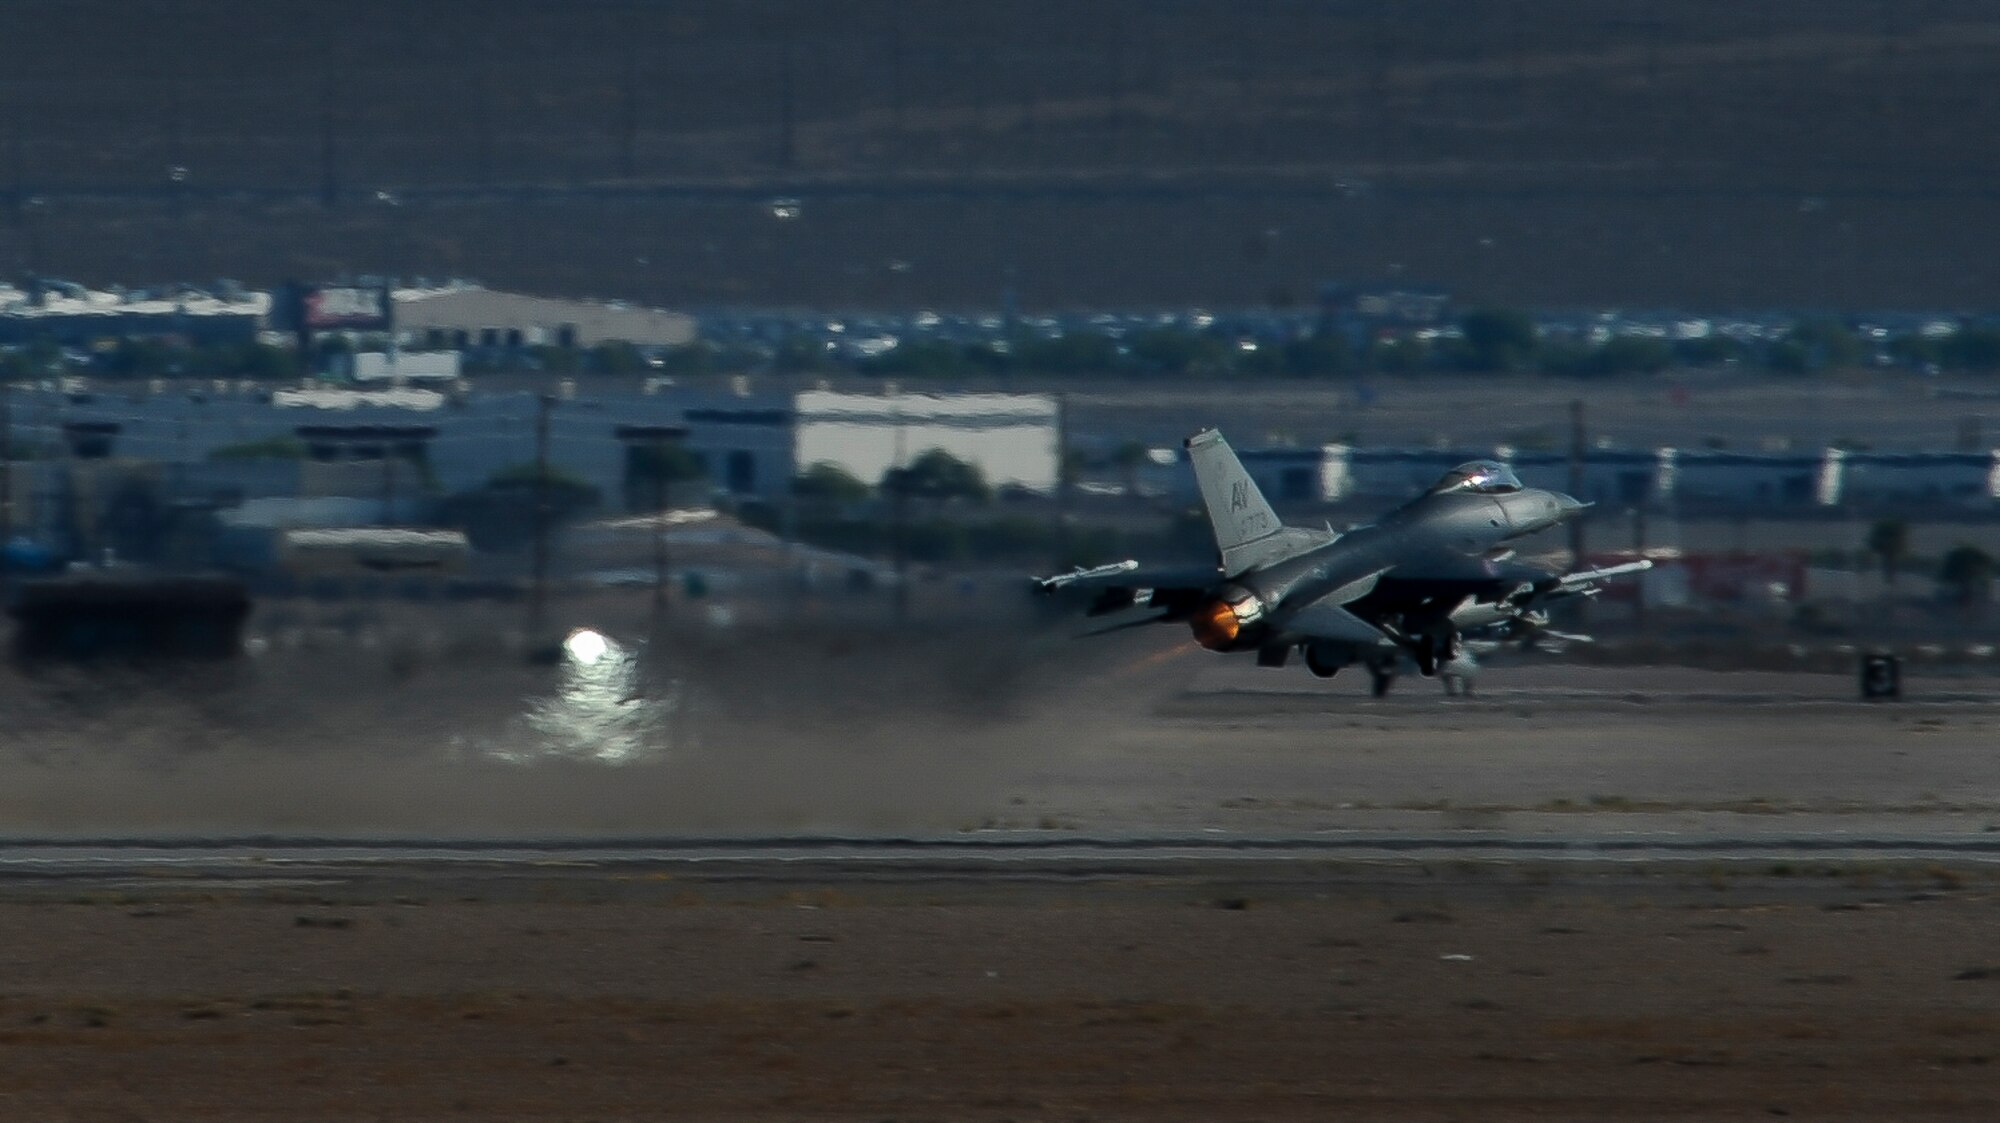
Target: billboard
[329, 307]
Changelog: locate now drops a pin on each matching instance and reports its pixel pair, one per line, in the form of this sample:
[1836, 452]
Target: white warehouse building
[756, 446]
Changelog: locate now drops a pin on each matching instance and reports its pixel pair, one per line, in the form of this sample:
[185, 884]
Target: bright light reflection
[586, 646]
[601, 708]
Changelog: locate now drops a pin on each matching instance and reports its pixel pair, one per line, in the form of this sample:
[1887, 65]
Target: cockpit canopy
[1481, 477]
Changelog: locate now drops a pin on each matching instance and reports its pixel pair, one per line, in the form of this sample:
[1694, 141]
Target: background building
[754, 446]
[471, 318]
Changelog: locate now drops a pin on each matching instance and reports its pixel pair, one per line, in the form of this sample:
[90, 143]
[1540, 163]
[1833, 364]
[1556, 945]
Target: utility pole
[389, 482]
[659, 534]
[6, 480]
[1581, 610]
[538, 590]
[899, 553]
[1639, 553]
[1576, 451]
[180, 451]
[1062, 558]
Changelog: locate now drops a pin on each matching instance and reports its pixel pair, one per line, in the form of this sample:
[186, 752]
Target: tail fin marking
[1239, 515]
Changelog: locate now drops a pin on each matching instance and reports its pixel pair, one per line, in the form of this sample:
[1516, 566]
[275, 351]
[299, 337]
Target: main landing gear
[1381, 675]
[1434, 648]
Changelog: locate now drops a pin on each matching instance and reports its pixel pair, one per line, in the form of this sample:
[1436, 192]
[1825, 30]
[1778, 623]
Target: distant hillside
[1713, 153]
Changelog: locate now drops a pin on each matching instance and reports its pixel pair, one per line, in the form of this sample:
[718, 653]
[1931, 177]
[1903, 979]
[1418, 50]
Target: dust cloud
[784, 729]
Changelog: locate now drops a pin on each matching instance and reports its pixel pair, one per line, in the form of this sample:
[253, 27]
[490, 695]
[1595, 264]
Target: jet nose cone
[1568, 506]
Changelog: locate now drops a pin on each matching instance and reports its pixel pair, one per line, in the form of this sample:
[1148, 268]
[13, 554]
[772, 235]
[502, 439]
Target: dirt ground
[1432, 982]
[1247, 993]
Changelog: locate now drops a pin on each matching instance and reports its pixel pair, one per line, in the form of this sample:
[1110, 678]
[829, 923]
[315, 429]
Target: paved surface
[1160, 888]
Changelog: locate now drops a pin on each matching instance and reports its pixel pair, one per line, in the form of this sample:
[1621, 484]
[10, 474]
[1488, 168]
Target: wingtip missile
[1051, 584]
[1588, 576]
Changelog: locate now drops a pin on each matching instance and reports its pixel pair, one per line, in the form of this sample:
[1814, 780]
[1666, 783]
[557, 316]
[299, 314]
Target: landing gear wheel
[1321, 667]
[1436, 649]
[1381, 676]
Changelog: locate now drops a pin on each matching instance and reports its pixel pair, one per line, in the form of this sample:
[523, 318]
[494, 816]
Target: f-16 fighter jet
[1409, 585]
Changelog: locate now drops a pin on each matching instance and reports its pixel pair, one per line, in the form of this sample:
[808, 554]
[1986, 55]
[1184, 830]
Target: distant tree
[1789, 357]
[272, 448]
[1496, 339]
[616, 357]
[1396, 356]
[143, 358]
[670, 461]
[652, 470]
[1321, 354]
[827, 482]
[921, 358]
[1256, 357]
[1569, 358]
[1889, 542]
[1971, 349]
[1074, 464]
[267, 363]
[1709, 351]
[1075, 353]
[995, 357]
[1916, 350]
[44, 357]
[325, 347]
[1817, 344]
[549, 358]
[1631, 354]
[801, 353]
[699, 357]
[1967, 574]
[1129, 458]
[500, 514]
[1177, 351]
[937, 474]
[525, 476]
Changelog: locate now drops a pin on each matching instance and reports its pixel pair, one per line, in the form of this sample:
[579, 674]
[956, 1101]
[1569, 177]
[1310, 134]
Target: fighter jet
[1410, 585]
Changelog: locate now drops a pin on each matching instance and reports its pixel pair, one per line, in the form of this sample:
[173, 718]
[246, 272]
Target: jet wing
[1326, 620]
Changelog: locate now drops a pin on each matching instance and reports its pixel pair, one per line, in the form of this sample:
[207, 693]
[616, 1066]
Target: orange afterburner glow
[1222, 624]
[1216, 626]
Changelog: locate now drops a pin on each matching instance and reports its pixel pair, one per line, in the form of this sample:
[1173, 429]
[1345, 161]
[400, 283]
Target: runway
[1178, 760]
[999, 854]
[1194, 891]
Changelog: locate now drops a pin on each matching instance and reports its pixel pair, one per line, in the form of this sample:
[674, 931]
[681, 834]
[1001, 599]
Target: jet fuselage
[1437, 538]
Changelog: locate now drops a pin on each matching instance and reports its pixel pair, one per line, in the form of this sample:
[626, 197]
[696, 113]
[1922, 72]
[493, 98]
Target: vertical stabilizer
[1244, 524]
